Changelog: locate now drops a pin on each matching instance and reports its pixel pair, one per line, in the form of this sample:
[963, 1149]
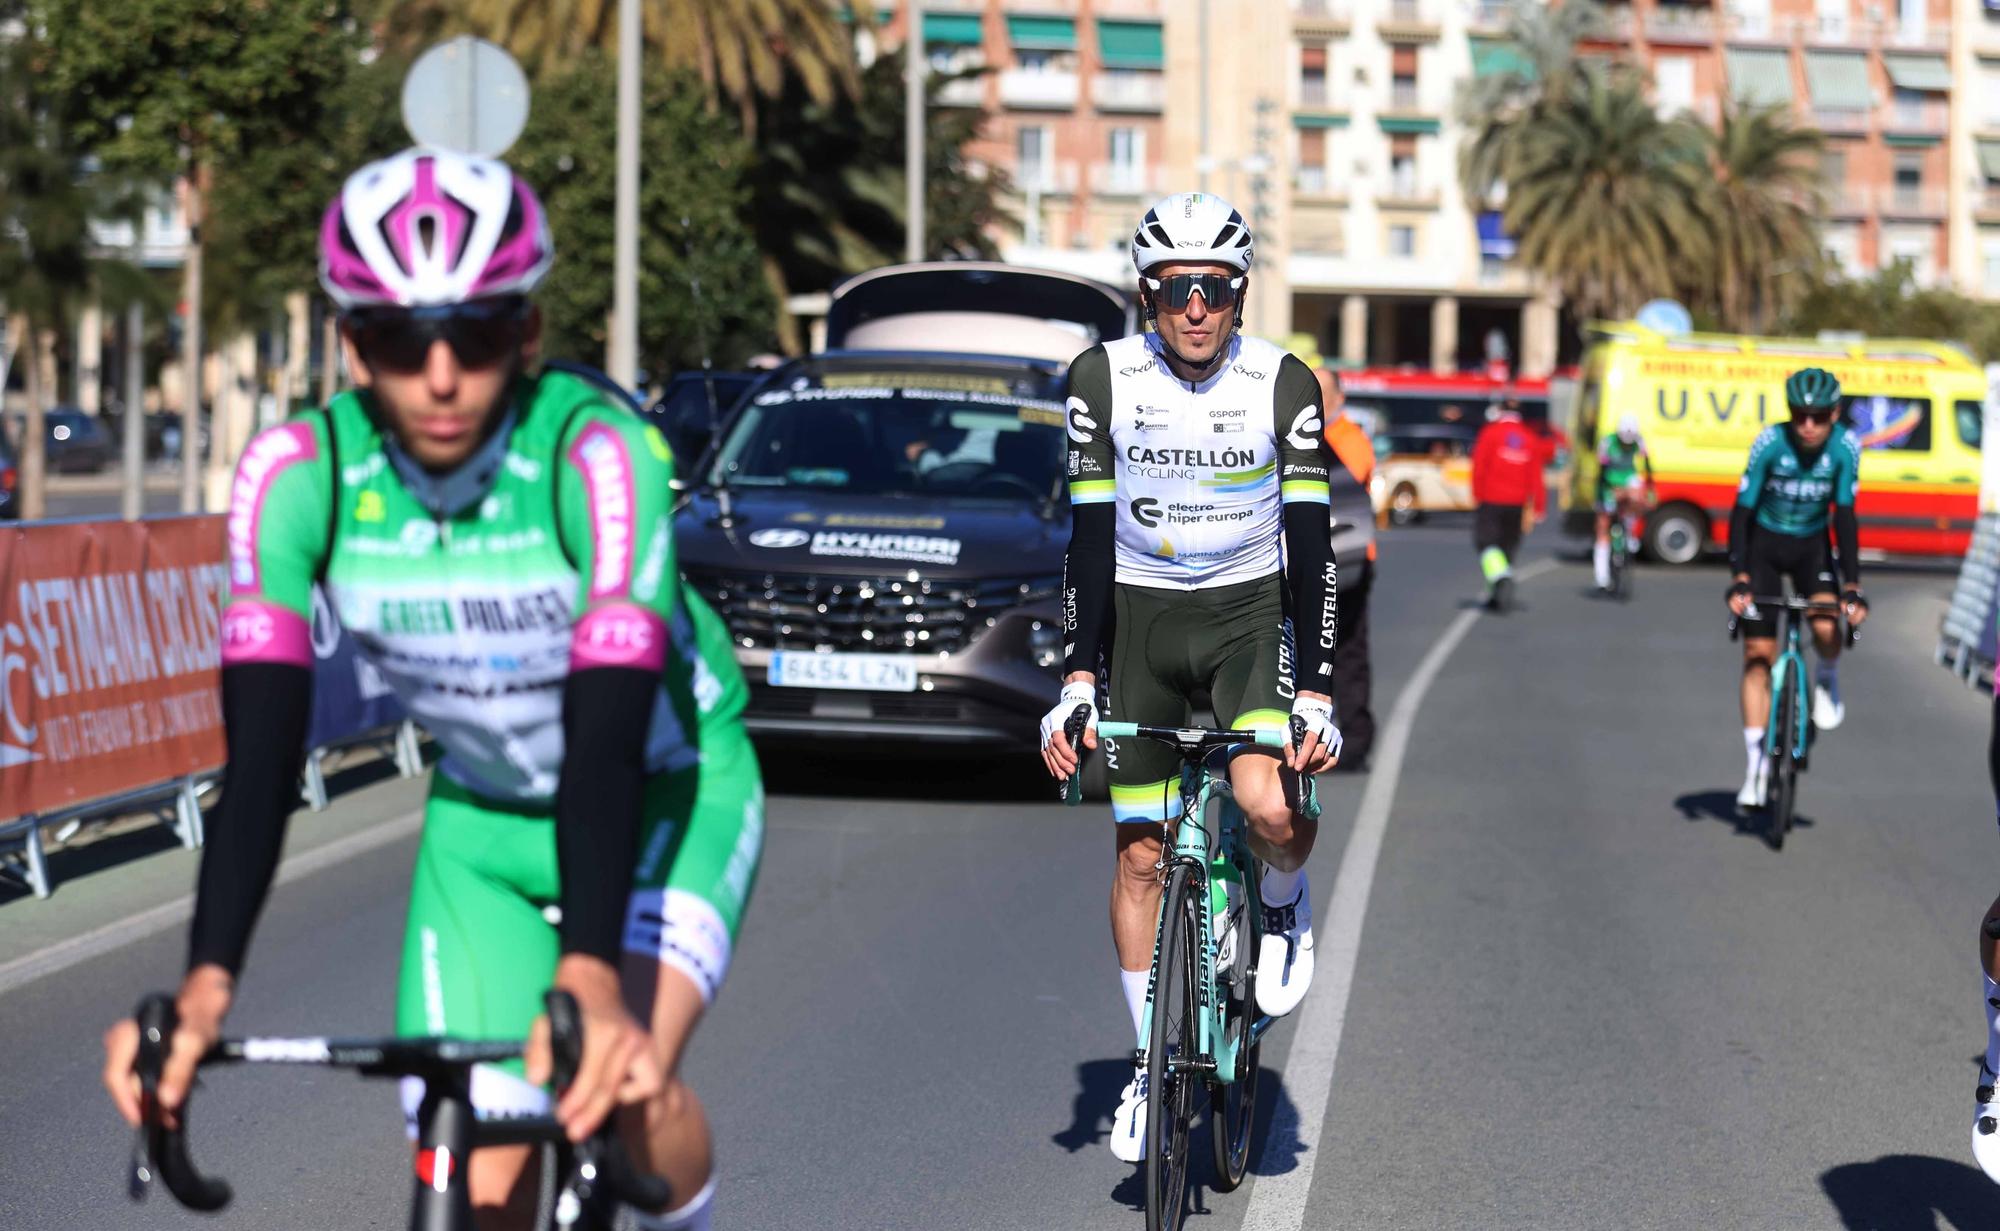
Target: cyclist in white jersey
[1198, 481]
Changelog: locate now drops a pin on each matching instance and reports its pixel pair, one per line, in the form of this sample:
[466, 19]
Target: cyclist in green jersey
[1797, 472]
[498, 540]
[1621, 488]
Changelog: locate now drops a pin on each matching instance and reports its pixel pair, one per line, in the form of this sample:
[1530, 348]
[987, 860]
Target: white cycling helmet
[1195, 227]
[1628, 426]
[432, 227]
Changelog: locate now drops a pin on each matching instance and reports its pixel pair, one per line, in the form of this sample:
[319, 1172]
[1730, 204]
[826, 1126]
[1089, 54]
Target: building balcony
[1928, 119]
[1407, 194]
[1489, 16]
[1754, 26]
[1126, 179]
[1833, 30]
[963, 92]
[1919, 203]
[1406, 99]
[1687, 24]
[1848, 201]
[955, 6]
[1049, 179]
[1408, 21]
[1917, 36]
[1320, 18]
[1986, 203]
[1142, 9]
[1039, 90]
[1129, 91]
[1618, 24]
[1843, 120]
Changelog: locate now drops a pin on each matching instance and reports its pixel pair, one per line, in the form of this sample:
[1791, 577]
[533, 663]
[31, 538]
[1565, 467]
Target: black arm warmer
[1088, 570]
[265, 711]
[1742, 524]
[1847, 541]
[606, 713]
[1315, 585]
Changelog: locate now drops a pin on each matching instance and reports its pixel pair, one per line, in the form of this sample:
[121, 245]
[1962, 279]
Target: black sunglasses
[399, 340]
[1813, 416]
[1218, 291]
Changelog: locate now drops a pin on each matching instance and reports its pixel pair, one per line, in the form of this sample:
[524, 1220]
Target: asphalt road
[1582, 994]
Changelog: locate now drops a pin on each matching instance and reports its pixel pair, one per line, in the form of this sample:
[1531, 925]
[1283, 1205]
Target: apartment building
[1075, 97]
[1974, 156]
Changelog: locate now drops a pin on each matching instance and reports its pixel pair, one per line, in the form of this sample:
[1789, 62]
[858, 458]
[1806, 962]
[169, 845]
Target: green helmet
[1812, 389]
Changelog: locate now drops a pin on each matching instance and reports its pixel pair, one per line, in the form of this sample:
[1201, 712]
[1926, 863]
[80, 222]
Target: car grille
[772, 612]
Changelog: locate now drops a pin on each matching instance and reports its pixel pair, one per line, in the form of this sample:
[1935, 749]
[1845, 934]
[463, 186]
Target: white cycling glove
[1073, 694]
[1318, 717]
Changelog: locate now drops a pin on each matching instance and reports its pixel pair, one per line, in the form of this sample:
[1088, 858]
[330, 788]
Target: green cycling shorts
[482, 941]
[1231, 641]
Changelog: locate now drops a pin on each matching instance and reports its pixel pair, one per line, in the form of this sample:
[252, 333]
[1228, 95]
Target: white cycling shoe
[1828, 712]
[1128, 1123]
[1285, 955]
[1752, 794]
[1986, 1126]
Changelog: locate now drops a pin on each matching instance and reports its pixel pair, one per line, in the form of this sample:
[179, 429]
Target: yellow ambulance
[1701, 399]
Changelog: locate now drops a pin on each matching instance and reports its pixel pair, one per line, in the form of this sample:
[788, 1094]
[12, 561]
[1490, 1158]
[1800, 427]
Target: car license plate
[869, 672]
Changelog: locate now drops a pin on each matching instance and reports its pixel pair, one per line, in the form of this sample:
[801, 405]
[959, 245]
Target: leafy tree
[1604, 196]
[828, 195]
[1539, 71]
[1762, 209]
[693, 207]
[741, 52]
[1889, 303]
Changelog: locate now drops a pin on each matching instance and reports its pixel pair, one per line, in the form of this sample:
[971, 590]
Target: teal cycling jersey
[1790, 494]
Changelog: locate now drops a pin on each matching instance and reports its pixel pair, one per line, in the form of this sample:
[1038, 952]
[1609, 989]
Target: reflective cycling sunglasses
[1217, 291]
[481, 334]
[1823, 414]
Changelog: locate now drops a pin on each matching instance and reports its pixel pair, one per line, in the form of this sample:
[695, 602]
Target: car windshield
[898, 433]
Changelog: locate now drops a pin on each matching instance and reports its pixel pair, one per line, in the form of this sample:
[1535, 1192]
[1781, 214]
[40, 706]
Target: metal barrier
[1966, 636]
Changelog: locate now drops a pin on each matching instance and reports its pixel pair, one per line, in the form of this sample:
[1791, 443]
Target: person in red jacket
[1507, 461]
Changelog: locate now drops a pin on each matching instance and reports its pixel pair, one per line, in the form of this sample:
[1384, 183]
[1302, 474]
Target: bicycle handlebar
[602, 1162]
[1191, 738]
[1792, 602]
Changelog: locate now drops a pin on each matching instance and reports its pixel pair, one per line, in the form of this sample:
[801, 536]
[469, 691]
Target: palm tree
[742, 50]
[1539, 68]
[1763, 205]
[1605, 196]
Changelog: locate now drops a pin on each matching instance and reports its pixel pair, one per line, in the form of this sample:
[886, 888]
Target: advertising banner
[109, 636]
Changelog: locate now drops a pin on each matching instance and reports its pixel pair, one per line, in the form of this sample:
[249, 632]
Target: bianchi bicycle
[594, 1176]
[1788, 730]
[1201, 1029]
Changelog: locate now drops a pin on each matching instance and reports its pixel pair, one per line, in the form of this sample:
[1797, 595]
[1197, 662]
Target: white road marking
[1278, 1202]
[118, 933]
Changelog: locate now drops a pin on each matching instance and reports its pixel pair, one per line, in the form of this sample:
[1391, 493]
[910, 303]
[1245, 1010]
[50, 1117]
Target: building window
[1034, 61]
[1673, 84]
[1312, 75]
[1033, 164]
[1402, 240]
[1127, 169]
[1310, 172]
[1909, 178]
[1992, 264]
[1403, 167]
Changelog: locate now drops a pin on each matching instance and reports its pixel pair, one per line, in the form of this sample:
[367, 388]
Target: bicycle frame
[1789, 671]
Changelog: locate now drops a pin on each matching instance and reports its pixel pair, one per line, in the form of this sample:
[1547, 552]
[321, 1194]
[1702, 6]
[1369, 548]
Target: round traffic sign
[466, 94]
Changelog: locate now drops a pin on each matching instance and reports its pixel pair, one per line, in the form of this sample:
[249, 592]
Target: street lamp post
[624, 357]
[914, 65]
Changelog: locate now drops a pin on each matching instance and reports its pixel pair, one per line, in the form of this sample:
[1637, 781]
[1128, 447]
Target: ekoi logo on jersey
[607, 473]
[263, 461]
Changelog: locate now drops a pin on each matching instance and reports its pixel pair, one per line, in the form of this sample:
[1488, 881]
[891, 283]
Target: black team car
[883, 529]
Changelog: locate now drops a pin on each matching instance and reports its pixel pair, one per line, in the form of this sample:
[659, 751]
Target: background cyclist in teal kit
[1801, 477]
[498, 540]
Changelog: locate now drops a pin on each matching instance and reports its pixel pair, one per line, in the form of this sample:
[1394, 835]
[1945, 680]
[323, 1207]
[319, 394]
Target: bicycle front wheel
[1784, 772]
[1170, 1086]
[1232, 1105]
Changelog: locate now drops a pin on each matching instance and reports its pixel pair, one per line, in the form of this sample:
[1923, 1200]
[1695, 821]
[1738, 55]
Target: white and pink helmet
[432, 227]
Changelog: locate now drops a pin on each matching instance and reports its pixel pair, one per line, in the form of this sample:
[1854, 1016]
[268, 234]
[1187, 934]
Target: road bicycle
[594, 1176]
[1788, 731]
[1200, 1028]
[1621, 556]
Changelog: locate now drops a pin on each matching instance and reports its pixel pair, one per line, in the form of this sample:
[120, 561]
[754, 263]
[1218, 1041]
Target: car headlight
[1045, 642]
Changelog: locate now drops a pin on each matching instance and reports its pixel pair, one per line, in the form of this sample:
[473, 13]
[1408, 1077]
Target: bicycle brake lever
[1071, 789]
[157, 1148]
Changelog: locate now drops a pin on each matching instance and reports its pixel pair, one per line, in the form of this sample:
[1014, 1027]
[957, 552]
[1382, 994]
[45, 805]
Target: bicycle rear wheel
[1170, 1089]
[1233, 1104]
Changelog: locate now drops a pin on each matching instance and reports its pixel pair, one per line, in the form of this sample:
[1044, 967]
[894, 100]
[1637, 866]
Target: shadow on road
[1721, 806]
[1098, 1084]
[893, 773]
[1910, 1192]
